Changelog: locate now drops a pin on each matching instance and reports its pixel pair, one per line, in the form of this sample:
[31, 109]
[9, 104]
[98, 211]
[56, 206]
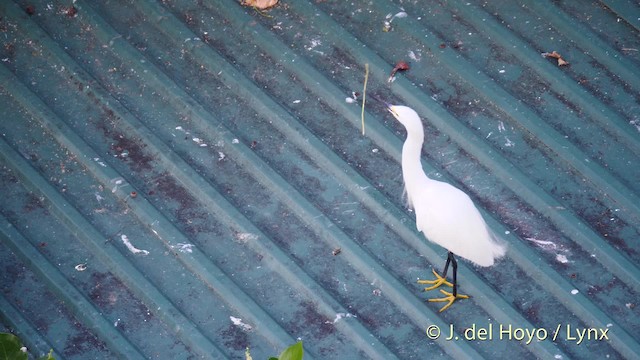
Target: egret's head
[407, 117]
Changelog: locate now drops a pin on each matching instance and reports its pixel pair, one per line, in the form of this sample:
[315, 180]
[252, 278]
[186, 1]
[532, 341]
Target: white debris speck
[197, 140]
[23, 349]
[98, 197]
[314, 44]
[235, 141]
[508, 142]
[501, 127]
[244, 237]
[349, 100]
[132, 248]
[99, 162]
[117, 183]
[221, 156]
[546, 245]
[81, 267]
[635, 123]
[609, 325]
[183, 247]
[400, 15]
[374, 150]
[238, 322]
[413, 56]
[389, 19]
[557, 356]
[340, 316]
[296, 101]
[502, 71]
[561, 258]
[629, 305]
[574, 291]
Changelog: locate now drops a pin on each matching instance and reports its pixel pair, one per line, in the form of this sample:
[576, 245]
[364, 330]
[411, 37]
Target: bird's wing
[448, 217]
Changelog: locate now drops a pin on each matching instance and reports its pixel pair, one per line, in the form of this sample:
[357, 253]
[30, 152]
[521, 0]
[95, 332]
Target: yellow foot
[435, 283]
[448, 297]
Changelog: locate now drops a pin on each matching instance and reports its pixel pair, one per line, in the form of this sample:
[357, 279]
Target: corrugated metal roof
[177, 176]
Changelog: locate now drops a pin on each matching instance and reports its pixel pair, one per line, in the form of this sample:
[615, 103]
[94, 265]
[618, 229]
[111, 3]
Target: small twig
[364, 93]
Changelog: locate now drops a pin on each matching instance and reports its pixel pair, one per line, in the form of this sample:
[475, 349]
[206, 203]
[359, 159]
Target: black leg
[446, 265]
[454, 264]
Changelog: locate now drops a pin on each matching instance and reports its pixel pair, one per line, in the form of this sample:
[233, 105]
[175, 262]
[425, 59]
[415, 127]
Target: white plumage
[445, 214]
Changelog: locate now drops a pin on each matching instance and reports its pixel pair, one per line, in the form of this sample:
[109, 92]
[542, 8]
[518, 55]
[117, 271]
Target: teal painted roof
[178, 176]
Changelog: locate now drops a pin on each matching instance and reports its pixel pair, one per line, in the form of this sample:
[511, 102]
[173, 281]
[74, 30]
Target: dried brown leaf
[555, 55]
[260, 4]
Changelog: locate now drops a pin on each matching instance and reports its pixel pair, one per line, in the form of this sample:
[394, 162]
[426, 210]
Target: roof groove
[629, 11]
[110, 256]
[49, 273]
[610, 121]
[610, 57]
[32, 339]
[578, 303]
[146, 215]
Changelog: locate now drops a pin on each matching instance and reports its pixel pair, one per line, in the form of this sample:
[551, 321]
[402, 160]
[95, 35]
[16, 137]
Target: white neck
[412, 171]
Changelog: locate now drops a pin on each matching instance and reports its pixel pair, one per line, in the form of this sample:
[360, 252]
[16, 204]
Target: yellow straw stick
[364, 92]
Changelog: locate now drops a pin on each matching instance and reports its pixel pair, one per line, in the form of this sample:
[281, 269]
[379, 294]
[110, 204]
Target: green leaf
[293, 352]
[49, 356]
[10, 348]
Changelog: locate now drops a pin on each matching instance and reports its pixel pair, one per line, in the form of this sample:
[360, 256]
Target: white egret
[445, 214]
